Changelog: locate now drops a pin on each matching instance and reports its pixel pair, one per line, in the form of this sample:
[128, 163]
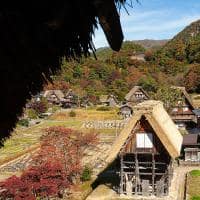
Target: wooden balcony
[183, 117]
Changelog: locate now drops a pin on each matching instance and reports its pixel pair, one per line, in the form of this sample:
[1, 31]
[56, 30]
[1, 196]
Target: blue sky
[154, 19]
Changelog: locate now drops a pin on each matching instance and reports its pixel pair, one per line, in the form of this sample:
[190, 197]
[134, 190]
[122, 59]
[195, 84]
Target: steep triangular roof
[103, 98]
[161, 123]
[133, 90]
[106, 98]
[70, 93]
[186, 95]
[59, 94]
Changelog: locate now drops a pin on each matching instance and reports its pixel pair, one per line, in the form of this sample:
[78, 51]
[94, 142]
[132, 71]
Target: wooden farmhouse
[144, 151]
[191, 147]
[70, 99]
[108, 100]
[126, 111]
[182, 113]
[54, 96]
[137, 95]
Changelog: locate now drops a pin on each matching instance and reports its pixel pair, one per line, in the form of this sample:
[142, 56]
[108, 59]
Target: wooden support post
[121, 175]
[145, 188]
[153, 172]
[160, 188]
[167, 183]
[136, 173]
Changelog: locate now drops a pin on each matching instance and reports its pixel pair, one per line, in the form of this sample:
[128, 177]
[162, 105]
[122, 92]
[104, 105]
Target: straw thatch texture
[59, 94]
[160, 121]
[186, 95]
[34, 36]
[132, 92]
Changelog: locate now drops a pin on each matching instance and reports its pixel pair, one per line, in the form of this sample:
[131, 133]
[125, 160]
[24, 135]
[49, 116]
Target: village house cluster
[144, 153]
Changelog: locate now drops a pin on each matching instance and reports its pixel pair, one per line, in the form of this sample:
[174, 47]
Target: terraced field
[18, 148]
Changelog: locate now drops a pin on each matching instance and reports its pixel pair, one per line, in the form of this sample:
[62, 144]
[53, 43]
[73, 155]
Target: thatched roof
[70, 92]
[126, 105]
[132, 92]
[59, 94]
[185, 94]
[35, 35]
[160, 121]
[107, 98]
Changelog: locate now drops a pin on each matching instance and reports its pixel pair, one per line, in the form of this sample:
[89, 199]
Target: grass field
[193, 183]
[25, 139]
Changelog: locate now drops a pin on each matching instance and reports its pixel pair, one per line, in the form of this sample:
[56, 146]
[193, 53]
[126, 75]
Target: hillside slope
[185, 46]
[148, 43]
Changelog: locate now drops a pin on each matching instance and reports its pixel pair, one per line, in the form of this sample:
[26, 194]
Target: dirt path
[177, 188]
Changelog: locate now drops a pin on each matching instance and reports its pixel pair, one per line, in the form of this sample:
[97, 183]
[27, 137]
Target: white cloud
[152, 22]
[160, 25]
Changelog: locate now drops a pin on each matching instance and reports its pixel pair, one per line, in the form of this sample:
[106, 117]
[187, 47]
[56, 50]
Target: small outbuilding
[71, 100]
[137, 95]
[144, 151]
[191, 147]
[126, 111]
[108, 100]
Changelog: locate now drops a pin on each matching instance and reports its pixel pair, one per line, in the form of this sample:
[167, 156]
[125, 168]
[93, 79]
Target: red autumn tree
[54, 167]
[15, 188]
[46, 180]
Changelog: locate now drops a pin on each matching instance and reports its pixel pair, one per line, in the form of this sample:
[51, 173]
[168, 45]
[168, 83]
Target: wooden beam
[153, 173]
[121, 175]
[136, 173]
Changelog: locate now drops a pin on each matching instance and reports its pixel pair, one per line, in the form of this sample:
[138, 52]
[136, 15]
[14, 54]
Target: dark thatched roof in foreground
[34, 36]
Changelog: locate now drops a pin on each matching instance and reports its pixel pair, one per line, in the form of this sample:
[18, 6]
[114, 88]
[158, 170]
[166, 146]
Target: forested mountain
[175, 63]
[147, 43]
[185, 46]
[181, 56]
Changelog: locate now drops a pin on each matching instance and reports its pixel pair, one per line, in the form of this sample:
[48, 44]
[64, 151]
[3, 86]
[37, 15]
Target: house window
[144, 140]
[139, 95]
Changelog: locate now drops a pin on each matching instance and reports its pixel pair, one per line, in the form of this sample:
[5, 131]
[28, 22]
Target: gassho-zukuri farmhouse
[143, 154]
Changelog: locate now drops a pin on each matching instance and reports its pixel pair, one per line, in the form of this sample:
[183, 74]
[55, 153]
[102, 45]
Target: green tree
[193, 50]
[169, 96]
[148, 83]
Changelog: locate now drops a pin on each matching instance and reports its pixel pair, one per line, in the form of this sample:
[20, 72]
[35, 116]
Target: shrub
[195, 173]
[86, 174]
[55, 108]
[196, 198]
[15, 188]
[72, 113]
[23, 122]
[39, 106]
[32, 114]
[103, 108]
